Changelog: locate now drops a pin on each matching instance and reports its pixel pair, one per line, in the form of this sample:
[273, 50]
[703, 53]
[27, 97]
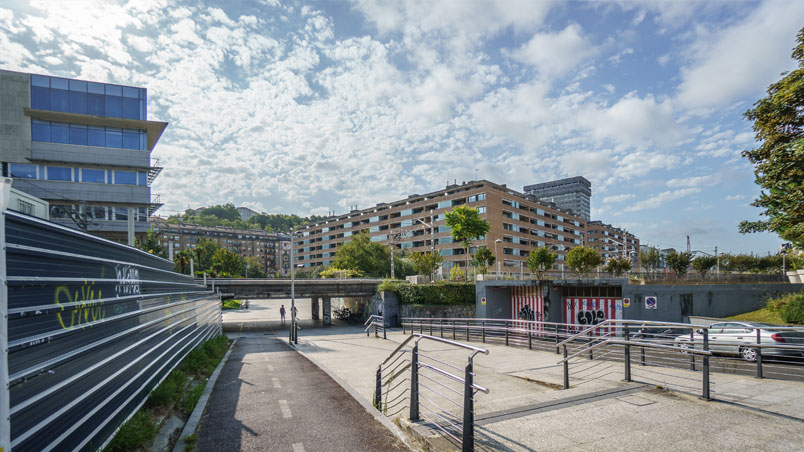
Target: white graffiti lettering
[128, 281]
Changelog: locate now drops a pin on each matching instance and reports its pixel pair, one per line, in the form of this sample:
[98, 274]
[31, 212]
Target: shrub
[168, 391]
[136, 432]
[230, 304]
[456, 274]
[432, 294]
[793, 312]
[777, 304]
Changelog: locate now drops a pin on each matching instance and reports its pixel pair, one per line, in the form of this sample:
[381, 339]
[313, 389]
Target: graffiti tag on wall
[86, 311]
[128, 281]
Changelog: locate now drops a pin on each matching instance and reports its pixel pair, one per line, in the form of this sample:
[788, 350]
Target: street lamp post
[293, 338]
[497, 256]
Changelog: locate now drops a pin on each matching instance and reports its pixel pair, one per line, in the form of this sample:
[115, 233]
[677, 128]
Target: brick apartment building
[610, 241]
[270, 248]
[518, 221]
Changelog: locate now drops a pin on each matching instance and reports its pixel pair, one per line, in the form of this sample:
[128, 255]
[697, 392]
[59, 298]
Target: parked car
[737, 338]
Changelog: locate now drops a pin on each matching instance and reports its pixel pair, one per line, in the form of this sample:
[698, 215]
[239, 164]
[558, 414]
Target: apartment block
[518, 224]
[610, 241]
[271, 249]
[84, 147]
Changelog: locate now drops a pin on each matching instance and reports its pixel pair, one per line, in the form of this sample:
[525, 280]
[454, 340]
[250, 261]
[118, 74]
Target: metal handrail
[452, 376]
[691, 351]
[447, 341]
[371, 319]
[402, 344]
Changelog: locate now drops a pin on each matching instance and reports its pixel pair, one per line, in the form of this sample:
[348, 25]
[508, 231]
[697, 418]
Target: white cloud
[735, 197]
[661, 199]
[554, 54]
[742, 59]
[618, 198]
[634, 121]
[696, 181]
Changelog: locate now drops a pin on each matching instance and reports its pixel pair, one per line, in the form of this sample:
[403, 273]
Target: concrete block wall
[15, 127]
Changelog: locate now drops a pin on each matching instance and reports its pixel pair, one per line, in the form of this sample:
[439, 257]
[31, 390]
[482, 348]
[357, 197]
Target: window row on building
[97, 212]
[87, 98]
[84, 135]
[73, 174]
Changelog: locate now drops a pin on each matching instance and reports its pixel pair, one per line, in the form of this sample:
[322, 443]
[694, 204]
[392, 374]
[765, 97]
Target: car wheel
[749, 354]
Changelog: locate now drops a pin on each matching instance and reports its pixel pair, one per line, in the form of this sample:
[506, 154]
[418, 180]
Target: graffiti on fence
[89, 307]
[128, 281]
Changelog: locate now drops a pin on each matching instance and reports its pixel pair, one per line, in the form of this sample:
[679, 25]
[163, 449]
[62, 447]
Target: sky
[314, 107]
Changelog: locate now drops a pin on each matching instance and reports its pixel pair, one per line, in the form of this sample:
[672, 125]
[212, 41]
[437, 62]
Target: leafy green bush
[168, 391]
[793, 312]
[230, 304]
[442, 293]
[136, 432]
[191, 398]
[777, 304]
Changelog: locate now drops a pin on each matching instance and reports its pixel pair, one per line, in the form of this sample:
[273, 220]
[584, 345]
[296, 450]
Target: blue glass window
[131, 108]
[142, 179]
[95, 88]
[59, 133]
[40, 80]
[96, 105]
[114, 106]
[114, 90]
[96, 136]
[59, 83]
[131, 92]
[21, 170]
[40, 98]
[131, 139]
[93, 175]
[59, 100]
[114, 138]
[125, 178]
[78, 85]
[78, 134]
[59, 173]
[40, 130]
[121, 213]
[78, 102]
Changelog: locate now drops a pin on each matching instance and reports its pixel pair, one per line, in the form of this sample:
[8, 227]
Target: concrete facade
[675, 302]
[15, 127]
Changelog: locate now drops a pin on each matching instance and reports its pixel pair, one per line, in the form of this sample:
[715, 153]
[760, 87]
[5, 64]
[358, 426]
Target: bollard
[706, 365]
[627, 354]
[378, 390]
[468, 442]
[759, 357]
[566, 368]
[414, 383]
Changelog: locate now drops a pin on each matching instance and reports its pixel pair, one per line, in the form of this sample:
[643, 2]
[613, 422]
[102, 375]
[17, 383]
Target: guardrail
[92, 327]
[376, 322]
[432, 382]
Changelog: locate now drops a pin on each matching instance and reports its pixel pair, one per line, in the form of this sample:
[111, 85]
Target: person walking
[282, 313]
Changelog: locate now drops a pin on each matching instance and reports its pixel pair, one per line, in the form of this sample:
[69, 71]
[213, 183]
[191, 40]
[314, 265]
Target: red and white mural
[588, 311]
[527, 304]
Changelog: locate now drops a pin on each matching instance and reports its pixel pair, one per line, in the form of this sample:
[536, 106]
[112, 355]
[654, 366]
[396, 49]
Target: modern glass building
[571, 194]
[84, 147]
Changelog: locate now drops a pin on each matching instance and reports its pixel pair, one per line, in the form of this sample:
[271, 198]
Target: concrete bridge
[320, 291]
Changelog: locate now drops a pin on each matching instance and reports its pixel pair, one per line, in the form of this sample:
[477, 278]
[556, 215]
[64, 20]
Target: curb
[365, 404]
[192, 422]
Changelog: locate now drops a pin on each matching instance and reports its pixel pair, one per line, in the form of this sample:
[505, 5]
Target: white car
[737, 338]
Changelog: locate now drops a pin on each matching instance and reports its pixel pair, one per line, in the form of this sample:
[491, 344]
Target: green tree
[779, 161]
[466, 225]
[618, 265]
[373, 259]
[456, 274]
[650, 260]
[203, 254]
[181, 262]
[582, 259]
[426, 263]
[337, 273]
[227, 264]
[254, 267]
[540, 261]
[702, 264]
[679, 262]
[483, 259]
[151, 244]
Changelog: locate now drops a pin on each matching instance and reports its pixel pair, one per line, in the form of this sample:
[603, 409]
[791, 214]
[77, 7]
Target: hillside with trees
[228, 216]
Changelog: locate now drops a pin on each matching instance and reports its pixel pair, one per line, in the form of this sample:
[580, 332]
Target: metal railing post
[453, 329]
[642, 357]
[591, 352]
[627, 354]
[421, 327]
[692, 355]
[384, 335]
[759, 357]
[414, 383]
[530, 338]
[468, 442]
[441, 327]
[706, 365]
[378, 389]
[431, 327]
[467, 331]
[566, 368]
[506, 333]
[483, 329]
[5, 401]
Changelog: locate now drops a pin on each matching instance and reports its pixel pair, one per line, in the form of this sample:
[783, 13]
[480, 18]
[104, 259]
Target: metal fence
[376, 322]
[93, 326]
[436, 391]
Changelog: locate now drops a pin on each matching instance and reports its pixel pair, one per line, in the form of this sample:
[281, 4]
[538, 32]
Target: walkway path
[269, 397]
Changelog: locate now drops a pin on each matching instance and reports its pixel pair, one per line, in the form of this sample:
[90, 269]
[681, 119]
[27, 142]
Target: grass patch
[175, 395]
[189, 442]
[230, 304]
[764, 315]
[136, 432]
